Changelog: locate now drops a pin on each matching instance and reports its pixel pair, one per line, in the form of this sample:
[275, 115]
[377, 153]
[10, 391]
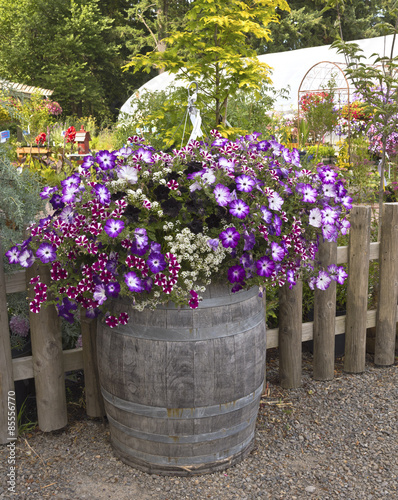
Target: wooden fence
[48, 362]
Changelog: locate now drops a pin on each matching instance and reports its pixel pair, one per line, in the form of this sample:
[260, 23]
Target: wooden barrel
[182, 387]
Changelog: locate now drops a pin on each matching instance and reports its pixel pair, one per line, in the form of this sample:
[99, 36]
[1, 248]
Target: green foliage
[213, 50]
[154, 20]
[20, 202]
[307, 25]
[73, 47]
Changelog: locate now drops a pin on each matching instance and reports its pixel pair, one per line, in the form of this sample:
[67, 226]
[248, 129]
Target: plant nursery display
[158, 227]
[194, 234]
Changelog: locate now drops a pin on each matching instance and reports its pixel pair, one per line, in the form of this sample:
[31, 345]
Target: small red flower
[41, 139]
[70, 134]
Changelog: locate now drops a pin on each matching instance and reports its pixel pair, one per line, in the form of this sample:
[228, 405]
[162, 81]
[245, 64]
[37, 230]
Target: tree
[213, 49]
[309, 25]
[71, 47]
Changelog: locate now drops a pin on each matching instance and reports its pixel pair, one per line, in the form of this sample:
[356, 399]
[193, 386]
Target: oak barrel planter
[182, 387]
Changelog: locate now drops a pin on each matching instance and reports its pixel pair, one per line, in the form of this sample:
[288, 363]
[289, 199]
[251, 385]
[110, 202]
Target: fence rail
[48, 359]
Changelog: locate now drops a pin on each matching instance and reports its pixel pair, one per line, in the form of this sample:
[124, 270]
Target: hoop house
[323, 76]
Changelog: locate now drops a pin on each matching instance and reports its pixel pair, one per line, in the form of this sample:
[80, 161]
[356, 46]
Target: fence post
[325, 318]
[6, 376]
[47, 359]
[386, 318]
[94, 400]
[290, 335]
[357, 289]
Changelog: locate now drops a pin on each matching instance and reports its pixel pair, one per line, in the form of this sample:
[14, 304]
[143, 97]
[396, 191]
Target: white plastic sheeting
[288, 69]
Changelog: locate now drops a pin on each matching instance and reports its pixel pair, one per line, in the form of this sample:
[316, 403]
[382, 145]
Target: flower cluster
[53, 108]
[41, 139]
[313, 99]
[156, 226]
[70, 134]
[19, 325]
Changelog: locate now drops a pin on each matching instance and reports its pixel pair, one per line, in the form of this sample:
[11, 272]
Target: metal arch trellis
[318, 78]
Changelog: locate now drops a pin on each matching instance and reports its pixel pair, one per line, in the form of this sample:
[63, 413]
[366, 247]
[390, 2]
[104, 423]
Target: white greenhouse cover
[288, 68]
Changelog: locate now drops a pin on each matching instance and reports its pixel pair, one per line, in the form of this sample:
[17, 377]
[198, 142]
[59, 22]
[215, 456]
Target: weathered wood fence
[48, 362]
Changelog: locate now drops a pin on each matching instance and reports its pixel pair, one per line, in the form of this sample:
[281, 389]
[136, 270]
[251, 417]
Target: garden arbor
[323, 76]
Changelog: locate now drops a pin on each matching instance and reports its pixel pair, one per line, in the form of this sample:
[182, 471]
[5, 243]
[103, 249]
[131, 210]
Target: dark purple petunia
[46, 252]
[229, 238]
[246, 260]
[113, 227]
[265, 266]
[238, 208]
[64, 310]
[156, 262]
[112, 289]
[250, 241]
[56, 202]
[147, 283]
[236, 274]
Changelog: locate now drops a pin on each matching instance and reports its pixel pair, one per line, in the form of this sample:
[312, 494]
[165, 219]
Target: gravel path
[326, 440]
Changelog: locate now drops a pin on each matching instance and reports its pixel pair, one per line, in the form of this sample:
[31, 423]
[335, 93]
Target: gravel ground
[326, 440]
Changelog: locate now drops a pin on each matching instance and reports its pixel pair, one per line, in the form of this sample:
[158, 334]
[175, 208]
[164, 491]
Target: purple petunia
[46, 252]
[99, 294]
[323, 280]
[250, 241]
[265, 266]
[133, 282]
[277, 252]
[229, 238]
[156, 262]
[26, 257]
[309, 193]
[113, 227]
[106, 160]
[56, 201]
[236, 274]
[238, 208]
[112, 289]
[103, 194]
[213, 244]
[222, 194]
[275, 202]
[266, 214]
[315, 217]
[245, 183]
[47, 191]
[13, 255]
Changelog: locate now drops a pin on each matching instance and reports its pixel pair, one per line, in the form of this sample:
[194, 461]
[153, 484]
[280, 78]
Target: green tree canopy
[213, 49]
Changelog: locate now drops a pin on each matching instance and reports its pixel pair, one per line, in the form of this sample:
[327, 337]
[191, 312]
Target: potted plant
[183, 243]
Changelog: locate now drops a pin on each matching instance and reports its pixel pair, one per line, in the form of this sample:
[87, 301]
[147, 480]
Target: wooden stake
[47, 357]
[290, 335]
[94, 400]
[357, 289]
[6, 376]
[325, 318]
[388, 287]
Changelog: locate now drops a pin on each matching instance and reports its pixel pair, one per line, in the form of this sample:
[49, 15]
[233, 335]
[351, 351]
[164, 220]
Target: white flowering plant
[157, 226]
